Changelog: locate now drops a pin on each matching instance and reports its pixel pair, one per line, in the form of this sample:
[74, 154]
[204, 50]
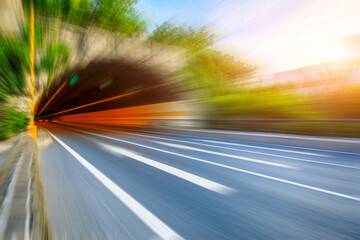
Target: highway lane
[194, 188]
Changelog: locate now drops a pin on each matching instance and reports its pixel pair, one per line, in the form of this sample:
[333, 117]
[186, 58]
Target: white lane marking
[226, 155]
[318, 149]
[155, 224]
[265, 148]
[242, 150]
[202, 182]
[275, 135]
[288, 146]
[228, 167]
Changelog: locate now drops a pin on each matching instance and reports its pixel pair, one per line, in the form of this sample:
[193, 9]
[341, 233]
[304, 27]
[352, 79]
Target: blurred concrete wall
[11, 17]
[95, 43]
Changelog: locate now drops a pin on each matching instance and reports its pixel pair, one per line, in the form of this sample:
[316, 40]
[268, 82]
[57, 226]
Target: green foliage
[207, 71]
[260, 104]
[14, 55]
[12, 121]
[3, 95]
[113, 15]
[56, 55]
[283, 101]
[50, 8]
[232, 68]
[210, 71]
[188, 38]
[15, 61]
[201, 75]
[39, 33]
[65, 7]
[118, 16]
[340, 102]
[81, 13]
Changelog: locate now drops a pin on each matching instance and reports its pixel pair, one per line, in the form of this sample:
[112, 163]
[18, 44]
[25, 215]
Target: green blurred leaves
[117, 16]
[12, 121]
[56, 55]
[14, 64]
[192, 40]
[112, 15]
[207, 71]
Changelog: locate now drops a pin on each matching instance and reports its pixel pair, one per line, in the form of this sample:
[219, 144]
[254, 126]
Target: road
[131, 185]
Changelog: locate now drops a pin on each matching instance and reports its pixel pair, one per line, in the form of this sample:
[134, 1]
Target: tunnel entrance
[105, 85]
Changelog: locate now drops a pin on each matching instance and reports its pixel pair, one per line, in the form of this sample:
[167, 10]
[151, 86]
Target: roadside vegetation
[14, 65]
[227, 86]
[115, 16]
[12, 121]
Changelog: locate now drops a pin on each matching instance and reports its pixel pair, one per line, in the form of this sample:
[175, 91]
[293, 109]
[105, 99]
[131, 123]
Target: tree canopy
[112, 15]
[188, 38]
[14, 65]
[207, 71]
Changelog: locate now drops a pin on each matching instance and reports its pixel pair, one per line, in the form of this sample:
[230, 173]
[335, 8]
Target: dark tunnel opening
[105, 85]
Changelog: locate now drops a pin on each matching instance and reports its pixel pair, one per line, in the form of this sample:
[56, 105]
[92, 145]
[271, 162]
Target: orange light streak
[51, 98]
[108, 99]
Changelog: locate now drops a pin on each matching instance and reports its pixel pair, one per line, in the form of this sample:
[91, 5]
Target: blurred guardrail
[328, 134]
[312, 127]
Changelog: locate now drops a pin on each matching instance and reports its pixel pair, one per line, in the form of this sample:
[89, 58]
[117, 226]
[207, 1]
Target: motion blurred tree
[208, 72]
[56, 56]
[12, 121]
[14, 65]
[81, 13]
[118, 16]
[112, 15]
[65, 7]
[231, 68]
[189, 38]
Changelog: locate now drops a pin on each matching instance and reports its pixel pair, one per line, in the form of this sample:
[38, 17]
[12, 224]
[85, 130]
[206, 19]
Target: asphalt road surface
[130, 185]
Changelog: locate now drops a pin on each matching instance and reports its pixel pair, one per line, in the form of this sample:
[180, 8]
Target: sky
[276, 35]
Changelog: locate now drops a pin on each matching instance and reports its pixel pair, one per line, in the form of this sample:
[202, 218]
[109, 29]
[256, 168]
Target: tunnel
[107, 92]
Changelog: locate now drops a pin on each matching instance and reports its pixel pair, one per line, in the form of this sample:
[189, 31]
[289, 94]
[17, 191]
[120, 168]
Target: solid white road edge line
[202, 182]
[155, 224]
